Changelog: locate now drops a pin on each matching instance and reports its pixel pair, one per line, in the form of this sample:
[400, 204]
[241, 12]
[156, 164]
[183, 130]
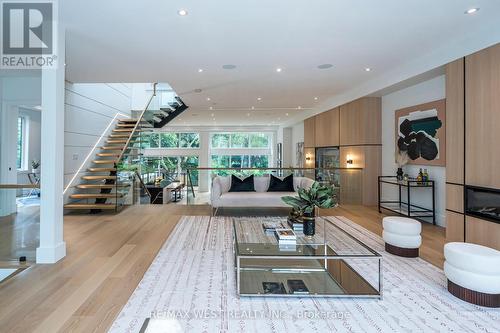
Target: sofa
[221, 197]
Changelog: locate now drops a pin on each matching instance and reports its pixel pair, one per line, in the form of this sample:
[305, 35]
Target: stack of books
[286, 236]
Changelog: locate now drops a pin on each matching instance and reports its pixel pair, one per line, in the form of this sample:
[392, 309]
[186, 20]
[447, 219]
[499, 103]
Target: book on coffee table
[272, 226]
[297, 287]
[285, 234]
[273, 288]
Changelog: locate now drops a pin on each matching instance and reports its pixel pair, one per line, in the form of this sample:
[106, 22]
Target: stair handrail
[137, 124]
[142, 183]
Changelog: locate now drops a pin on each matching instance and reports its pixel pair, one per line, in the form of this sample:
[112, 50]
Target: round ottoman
[473, 273]
[402, 236]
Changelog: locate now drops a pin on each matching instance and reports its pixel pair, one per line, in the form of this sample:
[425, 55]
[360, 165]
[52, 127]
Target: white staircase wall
[89, 110]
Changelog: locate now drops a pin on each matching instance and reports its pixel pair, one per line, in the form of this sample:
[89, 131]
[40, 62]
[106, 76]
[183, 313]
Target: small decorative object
[420, 176]
[401, 158]
[405, 177]
[317, 195]
[425, 177]
[35, 164]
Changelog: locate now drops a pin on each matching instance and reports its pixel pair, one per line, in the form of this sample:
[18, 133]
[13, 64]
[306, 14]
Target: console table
[406, 208]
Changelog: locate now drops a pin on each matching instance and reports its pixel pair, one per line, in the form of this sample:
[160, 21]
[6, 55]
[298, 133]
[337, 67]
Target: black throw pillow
[242, 185]
[278, 185]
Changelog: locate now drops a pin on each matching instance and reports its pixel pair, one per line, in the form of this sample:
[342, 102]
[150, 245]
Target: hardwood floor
[107, 256]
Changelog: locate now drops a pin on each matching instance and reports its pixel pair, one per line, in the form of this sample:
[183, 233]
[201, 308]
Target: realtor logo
[28, 34]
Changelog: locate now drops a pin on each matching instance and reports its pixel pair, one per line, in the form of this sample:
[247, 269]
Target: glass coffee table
[332, 263]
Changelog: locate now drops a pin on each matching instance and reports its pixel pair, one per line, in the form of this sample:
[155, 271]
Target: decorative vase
[34, 170]
[399, 174]
[309, 224]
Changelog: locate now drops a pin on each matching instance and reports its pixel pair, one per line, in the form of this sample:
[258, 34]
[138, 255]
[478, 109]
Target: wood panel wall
[483, 118]
[356, 128]
[361, 122]
[310, 132]
[473, 136]
[327, 128]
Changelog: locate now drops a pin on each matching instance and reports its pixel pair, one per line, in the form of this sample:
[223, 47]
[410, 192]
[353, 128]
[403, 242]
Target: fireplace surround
[483, 203]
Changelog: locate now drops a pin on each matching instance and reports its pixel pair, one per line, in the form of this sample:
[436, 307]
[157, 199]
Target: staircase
[101, 188]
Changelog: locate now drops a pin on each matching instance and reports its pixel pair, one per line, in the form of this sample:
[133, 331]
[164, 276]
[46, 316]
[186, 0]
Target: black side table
[407, 208]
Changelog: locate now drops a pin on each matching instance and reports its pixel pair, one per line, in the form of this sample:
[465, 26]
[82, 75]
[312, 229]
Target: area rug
[190, 287]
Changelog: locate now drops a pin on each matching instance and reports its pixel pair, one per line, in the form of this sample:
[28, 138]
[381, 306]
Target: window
[21, 144]
[170, 168]
[170, 140]
[240, 161]
[240, 140]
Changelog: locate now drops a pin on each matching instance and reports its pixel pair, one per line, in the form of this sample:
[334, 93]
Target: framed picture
[421, 132]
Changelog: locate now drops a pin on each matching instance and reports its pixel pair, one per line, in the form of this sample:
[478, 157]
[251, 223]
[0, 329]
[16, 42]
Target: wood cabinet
[369, 158]
[327, 128]
[310, 132]
[482, 134]
[360, 122]
[455, 115]
[455, 198]
[455, 224]
[482, 232]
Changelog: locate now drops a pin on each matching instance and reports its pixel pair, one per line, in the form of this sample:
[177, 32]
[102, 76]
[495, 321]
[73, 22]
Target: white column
[52, 246]
[204, 161]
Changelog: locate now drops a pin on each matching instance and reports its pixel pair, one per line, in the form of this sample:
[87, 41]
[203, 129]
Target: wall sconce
[308, 158]
[349, 159]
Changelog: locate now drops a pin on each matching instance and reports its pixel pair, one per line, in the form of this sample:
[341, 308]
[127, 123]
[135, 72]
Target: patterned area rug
[191, 287]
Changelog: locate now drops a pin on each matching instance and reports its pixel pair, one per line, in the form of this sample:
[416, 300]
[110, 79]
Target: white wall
[89, 109]
[427, 91]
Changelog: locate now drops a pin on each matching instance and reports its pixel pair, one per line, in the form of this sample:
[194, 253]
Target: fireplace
[483, 202]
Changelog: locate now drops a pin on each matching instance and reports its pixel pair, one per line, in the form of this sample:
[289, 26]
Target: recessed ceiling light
[471, 11]
[200, 70]
[198, 90]
[259, 98]
[253, 107]
[368, 69]
[299, 107]
[211, 108]
[248, 114]
[325, 66]
[208, 98]
[279, 69]
[213, 114]
[315, 98]
[182, 12]
[229, 66]
[286, 114]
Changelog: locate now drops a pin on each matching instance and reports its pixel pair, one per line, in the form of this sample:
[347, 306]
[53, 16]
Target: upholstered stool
[473, 273]
[402, 236]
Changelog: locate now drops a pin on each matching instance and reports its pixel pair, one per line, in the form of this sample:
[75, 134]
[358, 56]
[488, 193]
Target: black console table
[407, 208]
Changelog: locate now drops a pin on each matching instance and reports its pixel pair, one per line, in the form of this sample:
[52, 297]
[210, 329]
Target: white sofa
[221, 197]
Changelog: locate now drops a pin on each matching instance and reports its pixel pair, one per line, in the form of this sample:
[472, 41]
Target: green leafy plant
[321, 196]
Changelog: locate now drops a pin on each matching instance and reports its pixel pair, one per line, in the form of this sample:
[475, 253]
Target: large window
[170, 168]
[170, 140]
[240, 140]
[21, 143]
[240, 161]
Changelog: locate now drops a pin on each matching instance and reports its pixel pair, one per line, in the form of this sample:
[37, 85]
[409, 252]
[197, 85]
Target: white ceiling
[147, 41]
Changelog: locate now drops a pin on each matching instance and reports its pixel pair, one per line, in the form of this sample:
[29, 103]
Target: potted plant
[401, 160]
[35, 164]
[317, 195]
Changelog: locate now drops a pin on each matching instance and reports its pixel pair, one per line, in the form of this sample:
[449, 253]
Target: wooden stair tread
[104, 161]
[90, 206]
[101, 169]
[124, 130]
[100, 186]
[125, 125]
[107, 155]
[98, 177]
[96, 195]
[128, 120]
[112, 147]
